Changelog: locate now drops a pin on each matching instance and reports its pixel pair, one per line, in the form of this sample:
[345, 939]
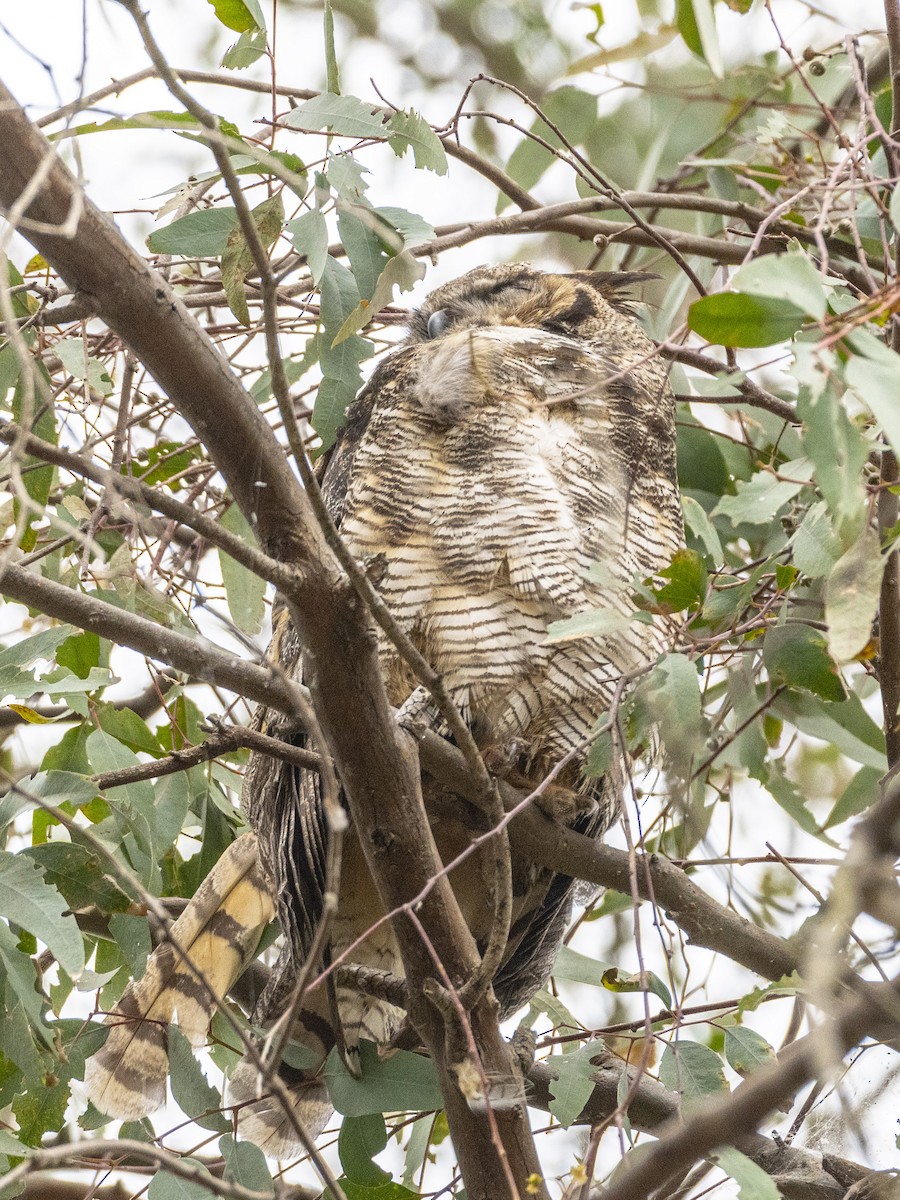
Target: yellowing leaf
[851, 597]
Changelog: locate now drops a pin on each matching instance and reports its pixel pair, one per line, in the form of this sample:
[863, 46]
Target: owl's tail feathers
[262, 1118]
[216, 936]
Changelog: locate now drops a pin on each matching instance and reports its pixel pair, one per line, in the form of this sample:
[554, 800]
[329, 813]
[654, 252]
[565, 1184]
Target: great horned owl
[511, 464]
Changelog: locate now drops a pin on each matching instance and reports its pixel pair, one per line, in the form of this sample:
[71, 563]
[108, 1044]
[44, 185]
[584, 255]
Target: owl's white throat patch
[463, 371]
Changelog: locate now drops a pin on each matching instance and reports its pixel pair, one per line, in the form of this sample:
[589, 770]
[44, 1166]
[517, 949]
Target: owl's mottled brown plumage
[510, 465]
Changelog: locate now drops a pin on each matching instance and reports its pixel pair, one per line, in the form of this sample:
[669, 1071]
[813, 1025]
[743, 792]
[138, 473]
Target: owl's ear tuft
[616, 287]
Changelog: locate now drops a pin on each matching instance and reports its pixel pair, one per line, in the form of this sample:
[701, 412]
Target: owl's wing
[284, 806]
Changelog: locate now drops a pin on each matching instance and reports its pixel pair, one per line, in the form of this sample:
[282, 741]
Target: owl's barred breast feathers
[512, 464]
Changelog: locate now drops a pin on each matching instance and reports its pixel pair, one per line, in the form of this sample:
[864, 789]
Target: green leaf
[688, 582]
[798, 656]
[74, 357]
[63, 683]
[574, 1081]
[237, 259]
[239, 14]
[753, 1182]
[402, 271]
[732, 319]
[127, 727]
[21, 985]
[41, 1108]
[698, 523]
[757, 502]
[172, 800]
[360, 1139]
[11, 1145]
[332, 78]
[560, 1017]
[202, 234]
[601, 755]
[164, 1186]
[670, 696]
[386, 1191]
[411, 227]
[815, 546]
[345, 175]
[788, 985]
[574, 111]
[106, 753]
[155, 119]
[705, 26]
[309, 235]
[342, 115]
[402, 1083]
[773, 778]
[80, 875]
[410, 129]
[36, 476]
[32, 649]
[845, 725]
[244, 591]
[162, 463]
[192, 1093]
[876, 382]
[132, 936]
[691, 1069]
[340, 364]
[745, 1049]
[790, 277]
[369, 242]
[701, 465]
[27, 899]
[596, 622]
[246, 1164]
[247, 50]
[61, 787]
[852, 591]
[578, 967]
[859, 795]
[82, 652]
[420, 1138]
[839, 451]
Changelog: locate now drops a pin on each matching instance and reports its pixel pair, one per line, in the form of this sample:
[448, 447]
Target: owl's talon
[564, 804]
[501, 759]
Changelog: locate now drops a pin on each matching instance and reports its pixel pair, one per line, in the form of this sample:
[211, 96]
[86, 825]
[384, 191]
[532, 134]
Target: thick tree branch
[225, 739]
[800, 1174]
[722, 1120]
[191, 654]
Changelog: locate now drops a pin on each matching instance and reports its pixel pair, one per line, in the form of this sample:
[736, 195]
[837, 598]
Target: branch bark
[722, 1120]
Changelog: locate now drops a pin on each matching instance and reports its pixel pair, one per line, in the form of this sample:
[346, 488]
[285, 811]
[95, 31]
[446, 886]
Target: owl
[510, 465]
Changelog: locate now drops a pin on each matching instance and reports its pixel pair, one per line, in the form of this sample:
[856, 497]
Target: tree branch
[722, 1120]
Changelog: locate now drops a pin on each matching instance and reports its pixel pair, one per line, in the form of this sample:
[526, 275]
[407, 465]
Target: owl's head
[579, 305]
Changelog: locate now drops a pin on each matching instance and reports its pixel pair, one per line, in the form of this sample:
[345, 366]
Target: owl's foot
[502, 759]
[564, 804]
